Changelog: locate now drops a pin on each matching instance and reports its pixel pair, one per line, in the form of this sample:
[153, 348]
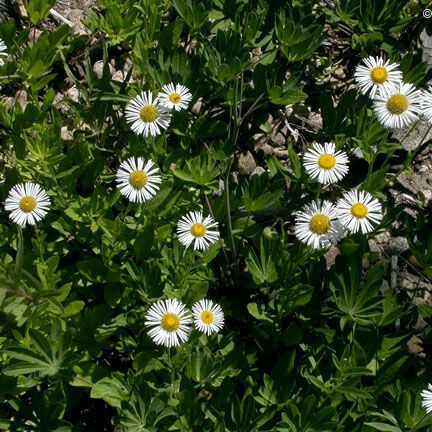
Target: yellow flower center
[137, 179]
[319, 224]
[149, 113]
[198, 230]
[326, 161]
[397, 104]
[359, 210]
[170, 322]
[207, 317]
[175, 98]
[27, 204]
[379, 75]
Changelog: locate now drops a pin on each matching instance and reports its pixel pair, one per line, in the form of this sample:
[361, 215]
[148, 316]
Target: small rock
[420, 134]
[66, 134]
[21, 99]
[281, 153]
[98, 69]
[414, 345]
[74, 94]
[35, 34]
[76, 16]
[246, 163]
[221, 189]
[278, 139]
[8, 102]
[316, 121]
[397, 245]
[267, 149]
[196, 108]
[119, 76]
[375, 247]
[426, 42]
[258, 171]
[330, 256]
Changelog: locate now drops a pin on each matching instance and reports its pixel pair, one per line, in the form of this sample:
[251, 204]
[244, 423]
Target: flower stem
[19, 258]
[419, 422]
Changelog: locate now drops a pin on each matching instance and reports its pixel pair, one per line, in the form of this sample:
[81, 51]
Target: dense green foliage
[308, 345]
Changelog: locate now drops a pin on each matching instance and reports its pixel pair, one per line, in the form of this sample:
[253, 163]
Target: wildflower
[194, 228]
[147, 116]
[358, 209]
[427, 399]
[3, 52]
[317, 225]
[28, 203]
[323, 163]
[137, 179]
[397, 106]
[426, 105]
[375, 74]
[175, 97]
[208, 317]
[169, 322]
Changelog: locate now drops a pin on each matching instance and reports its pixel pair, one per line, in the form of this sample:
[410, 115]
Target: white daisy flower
[169, 322]
[208, 317]
[324, 163]
[397, 106]
[375, 74]
[148, 116]
[426, 105]
[358, 209]
[175, 96]
[28, 203]
[3, 52]
[427, 399]
[317, 225]
[194, 228]
[137, 180]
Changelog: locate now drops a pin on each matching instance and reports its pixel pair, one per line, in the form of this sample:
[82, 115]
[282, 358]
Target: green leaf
[263, 269]
[38, 10]
[112, 390]
[383, 427]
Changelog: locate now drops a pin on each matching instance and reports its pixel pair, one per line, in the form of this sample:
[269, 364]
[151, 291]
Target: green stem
[420, 422]
[220, 240]
[19, 258]
[171, 373]
[41, 259]
[409, 132]
[413, 154]
[229, 219]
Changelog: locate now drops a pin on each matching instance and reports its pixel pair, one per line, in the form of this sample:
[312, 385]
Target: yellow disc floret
[359, 210]
[207, 317]
[326, 161]
[198, 230]
[379, 75]
[27, 204]
[138, 179]
[175, 98]
[320, 224]
[149, 113]
[397, 104]
[170, 322]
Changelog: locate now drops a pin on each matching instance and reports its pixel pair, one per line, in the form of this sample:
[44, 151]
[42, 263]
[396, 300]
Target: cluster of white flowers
[137, 179]
[396, 104]
[322, 223]
[149, 115]
[3, 52]
[169, 321]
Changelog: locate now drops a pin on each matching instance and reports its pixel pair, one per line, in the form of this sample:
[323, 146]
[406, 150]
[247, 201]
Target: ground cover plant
[215, 215]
